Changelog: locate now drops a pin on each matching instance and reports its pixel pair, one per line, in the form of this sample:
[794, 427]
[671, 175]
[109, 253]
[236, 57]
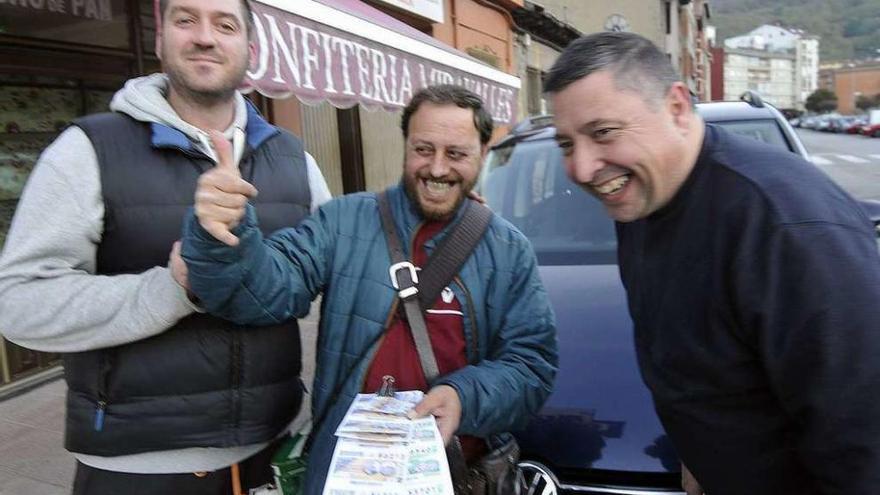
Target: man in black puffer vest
[162, 398]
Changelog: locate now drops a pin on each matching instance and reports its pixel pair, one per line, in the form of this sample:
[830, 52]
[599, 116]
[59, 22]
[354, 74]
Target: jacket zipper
[473, 345]
[101, 405]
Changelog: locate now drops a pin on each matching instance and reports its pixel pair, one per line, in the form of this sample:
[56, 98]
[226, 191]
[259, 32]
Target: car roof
[750, 107]
[720, 111]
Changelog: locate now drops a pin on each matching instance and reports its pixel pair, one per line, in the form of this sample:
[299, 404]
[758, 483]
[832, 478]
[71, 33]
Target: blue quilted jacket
[340, 251]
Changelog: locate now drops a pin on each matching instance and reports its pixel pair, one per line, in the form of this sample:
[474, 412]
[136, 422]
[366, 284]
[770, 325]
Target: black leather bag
[496, 473]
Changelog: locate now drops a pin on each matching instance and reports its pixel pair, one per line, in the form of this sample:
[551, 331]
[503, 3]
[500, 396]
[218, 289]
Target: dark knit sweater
[756, 300]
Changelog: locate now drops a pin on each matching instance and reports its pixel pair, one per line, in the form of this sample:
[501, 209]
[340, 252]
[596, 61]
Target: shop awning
[348, 53]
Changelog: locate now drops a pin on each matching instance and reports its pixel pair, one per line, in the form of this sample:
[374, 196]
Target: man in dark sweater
[753, 280]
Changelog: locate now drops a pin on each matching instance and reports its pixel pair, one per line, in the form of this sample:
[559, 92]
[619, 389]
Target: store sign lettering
[316, 62]
[100, 10]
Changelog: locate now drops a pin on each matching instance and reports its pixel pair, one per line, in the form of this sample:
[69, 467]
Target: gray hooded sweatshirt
[50, 298]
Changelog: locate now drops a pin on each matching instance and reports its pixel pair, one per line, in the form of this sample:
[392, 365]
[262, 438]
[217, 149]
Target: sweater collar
[257, 131]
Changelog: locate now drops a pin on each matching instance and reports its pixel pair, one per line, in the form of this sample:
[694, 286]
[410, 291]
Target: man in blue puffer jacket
[492, 329]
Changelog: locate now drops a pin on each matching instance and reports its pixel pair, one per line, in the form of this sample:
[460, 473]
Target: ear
[483, 150]
[252, 52]
[680, 105]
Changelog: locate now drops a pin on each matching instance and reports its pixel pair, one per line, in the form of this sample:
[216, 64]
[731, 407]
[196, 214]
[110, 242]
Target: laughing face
[630, 154]
[443, 157]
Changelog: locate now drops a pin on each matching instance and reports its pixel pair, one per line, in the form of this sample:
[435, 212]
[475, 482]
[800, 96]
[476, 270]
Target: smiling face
[204, 48]
[442, 160]
[631, 154]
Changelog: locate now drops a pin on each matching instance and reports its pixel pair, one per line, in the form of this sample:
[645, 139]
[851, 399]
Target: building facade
[780, 63]
[717, 91]
[771, 74]
[698, 73]
[851, 80]
[541, 39]
[676, 26]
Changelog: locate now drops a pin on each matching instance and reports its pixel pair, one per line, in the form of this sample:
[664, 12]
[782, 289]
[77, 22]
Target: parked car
[871, 130]
[823, 123]
[840, 124]
[809, 122]
[598, 432]
[856, 126]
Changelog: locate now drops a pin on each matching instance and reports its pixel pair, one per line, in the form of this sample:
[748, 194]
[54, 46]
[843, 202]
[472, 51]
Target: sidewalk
[32, 456]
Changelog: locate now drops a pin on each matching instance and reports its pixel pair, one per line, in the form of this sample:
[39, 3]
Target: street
[853, 161]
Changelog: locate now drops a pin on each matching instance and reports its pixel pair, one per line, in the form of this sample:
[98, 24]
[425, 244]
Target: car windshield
[527, 185]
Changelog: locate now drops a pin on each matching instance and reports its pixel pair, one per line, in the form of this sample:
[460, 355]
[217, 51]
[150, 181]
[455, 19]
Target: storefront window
[31, 114]
[101, 23]
[61, 59]
[33, 111]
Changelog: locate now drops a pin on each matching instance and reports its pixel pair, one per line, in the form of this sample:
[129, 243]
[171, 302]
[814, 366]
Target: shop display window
[33, 111]
[59, 59]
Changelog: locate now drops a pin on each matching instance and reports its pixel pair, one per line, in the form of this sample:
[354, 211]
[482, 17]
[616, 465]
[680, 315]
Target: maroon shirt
[397, 355]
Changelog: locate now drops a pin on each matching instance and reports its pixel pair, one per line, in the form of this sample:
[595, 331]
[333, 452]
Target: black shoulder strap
[441, 267]
[444, 263]
[449, 256]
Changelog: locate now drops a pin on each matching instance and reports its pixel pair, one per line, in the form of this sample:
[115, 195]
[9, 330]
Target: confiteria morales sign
[350, 54]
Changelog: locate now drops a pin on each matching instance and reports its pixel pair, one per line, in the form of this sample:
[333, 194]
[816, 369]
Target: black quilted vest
[204, 382]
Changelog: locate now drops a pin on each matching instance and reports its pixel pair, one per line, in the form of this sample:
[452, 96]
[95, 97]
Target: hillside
[848, 28]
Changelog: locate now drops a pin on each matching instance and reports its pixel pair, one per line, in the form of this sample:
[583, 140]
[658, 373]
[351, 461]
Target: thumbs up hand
[222, 195]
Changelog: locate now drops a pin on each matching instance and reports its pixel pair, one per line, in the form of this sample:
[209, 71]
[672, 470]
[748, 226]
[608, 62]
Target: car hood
[600, 415]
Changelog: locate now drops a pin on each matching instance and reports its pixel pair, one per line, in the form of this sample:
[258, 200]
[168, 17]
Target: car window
[766, 130]
[527, 185]
[525, 182]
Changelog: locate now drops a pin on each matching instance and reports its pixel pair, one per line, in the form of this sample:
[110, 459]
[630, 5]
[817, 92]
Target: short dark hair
[634, 61]
[450, 94]
[246, 12]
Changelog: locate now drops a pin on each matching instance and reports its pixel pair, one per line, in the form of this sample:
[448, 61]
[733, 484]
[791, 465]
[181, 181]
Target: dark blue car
[598, 432]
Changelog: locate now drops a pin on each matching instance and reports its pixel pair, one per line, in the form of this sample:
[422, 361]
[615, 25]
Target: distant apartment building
[772, 75]
[676, 26]
[780, 63]
[826, 77]
[849, 81]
